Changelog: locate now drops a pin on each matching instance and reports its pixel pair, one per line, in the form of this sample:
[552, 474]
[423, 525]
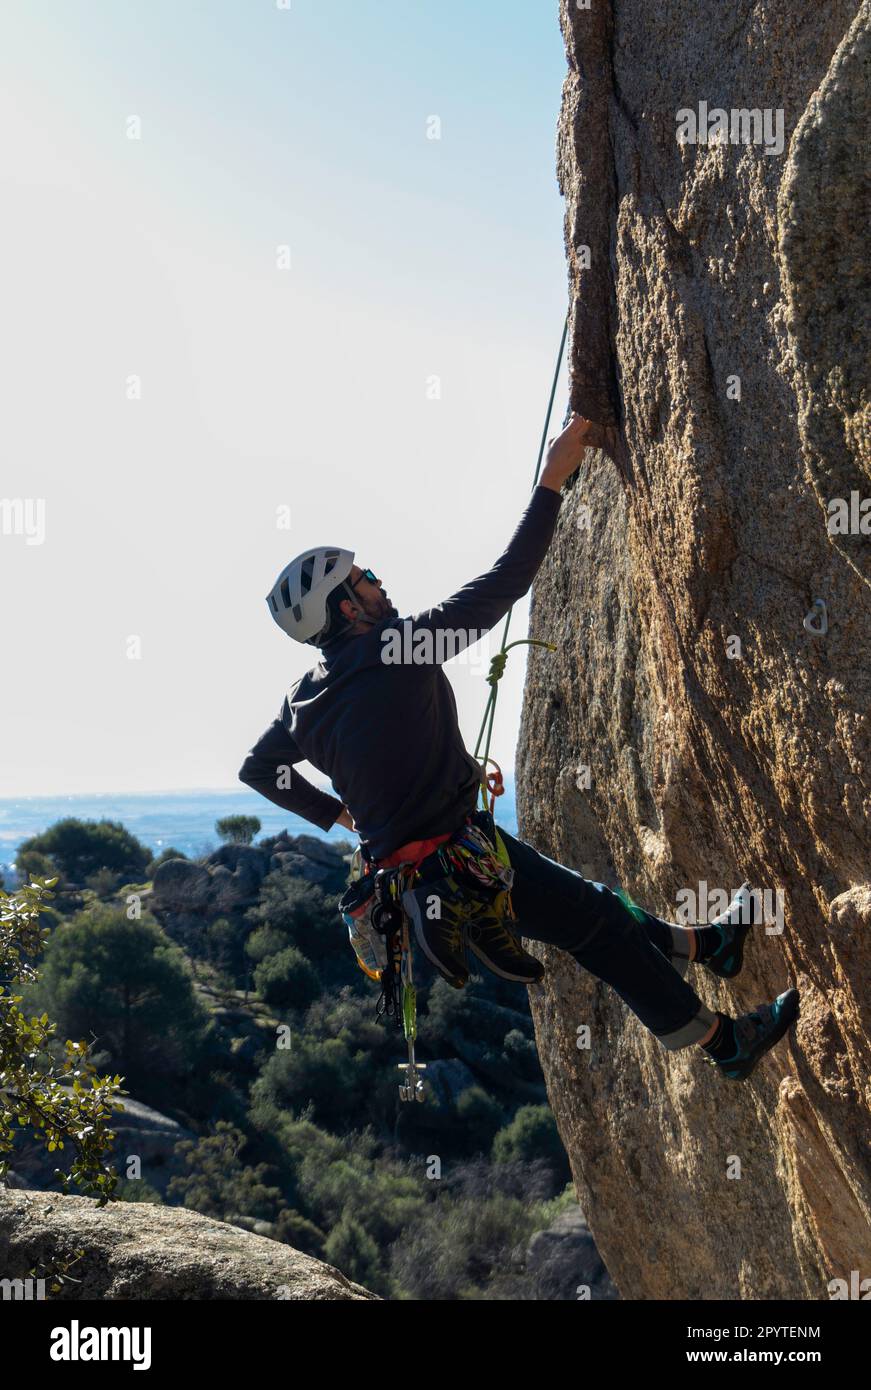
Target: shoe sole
[457, 980]
[503, 974]
[788, 1017]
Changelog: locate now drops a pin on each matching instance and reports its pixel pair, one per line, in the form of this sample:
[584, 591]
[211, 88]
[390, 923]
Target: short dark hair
[336, 620]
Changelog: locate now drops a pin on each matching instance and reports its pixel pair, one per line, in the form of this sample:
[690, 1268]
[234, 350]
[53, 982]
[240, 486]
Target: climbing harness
[471, 864]
[473, 861]
[476, 859]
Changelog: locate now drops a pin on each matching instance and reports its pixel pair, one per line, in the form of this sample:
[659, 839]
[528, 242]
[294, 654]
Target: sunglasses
[367, 574]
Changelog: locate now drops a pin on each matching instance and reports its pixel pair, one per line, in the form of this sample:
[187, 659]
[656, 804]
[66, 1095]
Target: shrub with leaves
[163, 858]
[287, 980]
[82, 847]
[124, 980]
[238, 830]
[218, 1182]
[63, 1101]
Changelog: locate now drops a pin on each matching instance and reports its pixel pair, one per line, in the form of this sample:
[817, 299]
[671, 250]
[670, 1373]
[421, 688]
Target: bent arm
[268, 770]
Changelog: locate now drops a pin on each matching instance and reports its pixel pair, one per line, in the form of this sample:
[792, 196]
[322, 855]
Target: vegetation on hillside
[256, 1030]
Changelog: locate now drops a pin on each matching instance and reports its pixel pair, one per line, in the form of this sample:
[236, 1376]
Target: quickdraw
[378, 929]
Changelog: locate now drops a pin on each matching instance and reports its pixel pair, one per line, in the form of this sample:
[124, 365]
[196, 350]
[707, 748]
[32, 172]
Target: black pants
[557, 905]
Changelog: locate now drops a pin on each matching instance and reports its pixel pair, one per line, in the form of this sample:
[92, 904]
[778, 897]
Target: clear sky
[261, 388]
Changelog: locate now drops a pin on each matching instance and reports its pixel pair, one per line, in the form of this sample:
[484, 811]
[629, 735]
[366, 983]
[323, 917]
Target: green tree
[287, 980]
[325, 1074]
[301, 911]
[223, 944]
[480, 1116]
[80, 848]
[465, 1249]
[165, 854]
[64, 1103]
[264, 942]
[126, 982]
[294, 1229]
[352, 1250]
[218, 1183]
[531, 1134]
[348, 1177]
[33, 864]
[103, 882]
[238, 829]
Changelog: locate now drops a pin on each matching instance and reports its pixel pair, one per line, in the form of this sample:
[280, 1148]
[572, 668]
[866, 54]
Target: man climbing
[387, 736]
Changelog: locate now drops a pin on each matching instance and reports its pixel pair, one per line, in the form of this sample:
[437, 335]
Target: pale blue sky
[260, 387]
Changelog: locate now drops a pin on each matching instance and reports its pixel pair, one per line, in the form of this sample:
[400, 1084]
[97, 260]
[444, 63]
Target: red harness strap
[415, 850]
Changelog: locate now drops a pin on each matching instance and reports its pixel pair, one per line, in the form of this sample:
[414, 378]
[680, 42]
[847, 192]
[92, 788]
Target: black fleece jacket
[378, 716]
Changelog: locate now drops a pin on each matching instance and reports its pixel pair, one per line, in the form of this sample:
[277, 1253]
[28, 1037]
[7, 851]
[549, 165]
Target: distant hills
[184, 820]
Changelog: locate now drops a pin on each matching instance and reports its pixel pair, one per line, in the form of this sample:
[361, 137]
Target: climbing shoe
[438, 914]
[721, 943]
[492, 941]
[756, 1033]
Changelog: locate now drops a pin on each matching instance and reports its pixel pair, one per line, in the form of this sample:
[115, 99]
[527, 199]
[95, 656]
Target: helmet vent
[285, 593]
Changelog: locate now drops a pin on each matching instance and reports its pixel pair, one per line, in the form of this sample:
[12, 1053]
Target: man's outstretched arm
[268, 770]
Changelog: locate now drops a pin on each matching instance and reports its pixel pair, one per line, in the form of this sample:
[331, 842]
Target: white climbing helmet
[298, 600]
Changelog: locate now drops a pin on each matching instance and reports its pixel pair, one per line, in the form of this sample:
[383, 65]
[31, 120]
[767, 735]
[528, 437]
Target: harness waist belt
[415, 850]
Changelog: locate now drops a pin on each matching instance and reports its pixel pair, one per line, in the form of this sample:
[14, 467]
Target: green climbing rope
[497, 664]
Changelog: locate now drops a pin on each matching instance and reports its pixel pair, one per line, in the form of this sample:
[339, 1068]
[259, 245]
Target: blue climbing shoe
[743, 912]
[756, 1033]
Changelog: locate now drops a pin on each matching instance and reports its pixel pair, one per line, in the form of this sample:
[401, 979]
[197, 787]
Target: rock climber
[387, 736]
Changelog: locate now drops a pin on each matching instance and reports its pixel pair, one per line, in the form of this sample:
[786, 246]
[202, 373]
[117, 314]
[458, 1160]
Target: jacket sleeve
[475, 608]
[268, 769]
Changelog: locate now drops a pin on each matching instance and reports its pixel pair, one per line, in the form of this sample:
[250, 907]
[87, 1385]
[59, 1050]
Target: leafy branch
[62, 1102]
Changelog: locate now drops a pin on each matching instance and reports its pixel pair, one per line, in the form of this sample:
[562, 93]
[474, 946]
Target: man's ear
[349, 610]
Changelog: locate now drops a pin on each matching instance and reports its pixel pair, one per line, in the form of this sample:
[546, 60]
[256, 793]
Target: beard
[382, 609]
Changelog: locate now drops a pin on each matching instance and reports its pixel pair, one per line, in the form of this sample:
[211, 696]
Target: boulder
[180, 885]
[139, 1251]
[565, 1262]
[229, 879]
[301, 867]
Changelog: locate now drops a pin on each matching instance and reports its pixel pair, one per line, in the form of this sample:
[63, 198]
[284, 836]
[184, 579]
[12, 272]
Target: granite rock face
[133, 1250]
[705, 718]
